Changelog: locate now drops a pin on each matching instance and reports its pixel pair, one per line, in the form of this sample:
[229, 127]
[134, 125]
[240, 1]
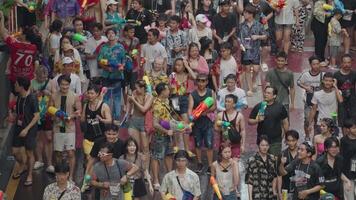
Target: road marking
[12, 184]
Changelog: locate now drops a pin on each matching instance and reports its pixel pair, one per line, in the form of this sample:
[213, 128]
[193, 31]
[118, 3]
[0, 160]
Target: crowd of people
[173, 72]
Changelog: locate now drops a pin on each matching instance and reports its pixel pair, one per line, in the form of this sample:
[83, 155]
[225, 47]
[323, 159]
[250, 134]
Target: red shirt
[22, 59]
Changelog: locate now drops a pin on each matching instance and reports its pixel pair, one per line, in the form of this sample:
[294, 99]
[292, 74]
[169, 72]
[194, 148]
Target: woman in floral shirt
[261, 174]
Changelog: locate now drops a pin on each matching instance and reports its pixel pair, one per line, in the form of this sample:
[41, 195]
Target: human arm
[235, 173]
[292, 92]
[3, 31]
[190, 104]
[346, 181]
[243, 134]
[191, 73]
[106, 113]
[338, 93]
[305, 193]
[144, 108]
[285, 123]
[90, 164]
[254, 118]
[239, 6]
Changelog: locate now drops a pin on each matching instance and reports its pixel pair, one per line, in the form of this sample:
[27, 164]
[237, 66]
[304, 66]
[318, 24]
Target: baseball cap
[201, 18]
[67, 60]
[109, 2]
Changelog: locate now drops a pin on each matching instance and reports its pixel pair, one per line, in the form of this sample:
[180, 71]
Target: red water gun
[203, 106]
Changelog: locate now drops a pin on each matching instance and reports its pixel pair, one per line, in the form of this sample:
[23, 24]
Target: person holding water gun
[271, 118]
[68, 102]
[202, 125]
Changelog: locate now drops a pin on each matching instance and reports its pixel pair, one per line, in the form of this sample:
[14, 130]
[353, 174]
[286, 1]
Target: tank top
[95, 127]
[202, 121]
[224, 178]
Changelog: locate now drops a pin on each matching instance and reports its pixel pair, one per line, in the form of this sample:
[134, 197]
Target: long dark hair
[127, 143]
[223, 146]
[60, 43]
[192, 45]
[204, 45]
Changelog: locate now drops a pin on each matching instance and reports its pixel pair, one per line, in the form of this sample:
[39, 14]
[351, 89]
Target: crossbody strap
[180, 184]
[280, 80]
[62, 194]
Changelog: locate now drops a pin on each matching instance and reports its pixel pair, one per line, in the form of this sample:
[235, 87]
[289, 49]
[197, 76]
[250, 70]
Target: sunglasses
[101, 154]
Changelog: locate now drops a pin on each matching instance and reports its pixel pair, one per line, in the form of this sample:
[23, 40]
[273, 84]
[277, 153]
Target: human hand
[23, 132]
[123, 180]
[106, 185]
[170, 132]
[335, 83]
[348, 185]
[303, 194]
[254, 37]
[283, 160]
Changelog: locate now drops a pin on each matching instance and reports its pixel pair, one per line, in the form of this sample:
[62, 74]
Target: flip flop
[28, 183]
[18, 174]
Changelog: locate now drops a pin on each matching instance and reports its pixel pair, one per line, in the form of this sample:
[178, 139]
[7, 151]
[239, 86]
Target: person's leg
[117, 101]
[347, 40]
[71, 161]
[279, 36]
[255, 73]
[275, 148]
[48, 147]
[155, 170]
[317, 32]
[20, 159]
[168, 161]
[248, 76]
[264, 54]
[350, 194]
[208, 141]
[30, 162]
[135, 134]
[39, 149]
[286, 38]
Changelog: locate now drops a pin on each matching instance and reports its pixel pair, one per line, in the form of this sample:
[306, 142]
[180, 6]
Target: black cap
[181, 154]
[160, 87]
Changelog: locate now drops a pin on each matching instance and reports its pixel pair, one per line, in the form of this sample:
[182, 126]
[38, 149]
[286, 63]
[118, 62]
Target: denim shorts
[137, 123]
[203, 134]
[283, 26]
[231, 196]
[161, 146]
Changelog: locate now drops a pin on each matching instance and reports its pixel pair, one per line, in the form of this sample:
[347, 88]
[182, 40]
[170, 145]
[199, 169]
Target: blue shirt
[66, 8]
[252, 46]
[116, 55]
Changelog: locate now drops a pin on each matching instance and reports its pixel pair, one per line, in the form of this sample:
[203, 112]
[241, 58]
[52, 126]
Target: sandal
[156, 186]
[28, 183]
[18, 174]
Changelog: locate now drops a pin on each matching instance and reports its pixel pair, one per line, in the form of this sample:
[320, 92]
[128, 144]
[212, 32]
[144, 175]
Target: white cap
[67, 60]
[109, 2]
[201, 18]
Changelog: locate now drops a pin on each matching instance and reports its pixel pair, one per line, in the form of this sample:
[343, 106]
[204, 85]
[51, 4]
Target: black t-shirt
[348, 152]
[119, 148]
[262, 8]
[209, 13]
[224, 25]
[286, 183]
[25, 110]
[304, 177]
[346, 83]
[272, 124]
[145, 18]
[332, 175]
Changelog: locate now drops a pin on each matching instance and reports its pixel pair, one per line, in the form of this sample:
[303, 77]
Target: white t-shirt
[286, 15]
[240, 93]
[90, 48]
[150, 52]
[75, 84]
[306, 78]
[54, 41]
[227, 67]
[327, 103]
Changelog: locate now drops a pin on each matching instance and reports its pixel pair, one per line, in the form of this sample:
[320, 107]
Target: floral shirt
[260, 175]
[173, 41]
[52, 191]
[155, 80]
[115, 54]
[189, 182]
[252, 46]
[161, 110]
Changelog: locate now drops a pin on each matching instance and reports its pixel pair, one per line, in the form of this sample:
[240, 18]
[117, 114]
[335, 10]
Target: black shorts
[29, 142]
[139, 188]
[46, 124]
[348, 23]
[250, 62]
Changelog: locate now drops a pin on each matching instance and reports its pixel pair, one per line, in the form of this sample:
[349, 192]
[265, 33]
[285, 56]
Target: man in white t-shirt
[325, 101]
[226, 66]
[285, 17]
[68, 68]
[91, 49]
[153, 49]
[231, 88]
[310, 81]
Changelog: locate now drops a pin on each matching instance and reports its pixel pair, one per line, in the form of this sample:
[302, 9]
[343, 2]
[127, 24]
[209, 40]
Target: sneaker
[199, 168]
[191, 154]
[38, 165]
[208, 172]
[175, 149]
[50, 169]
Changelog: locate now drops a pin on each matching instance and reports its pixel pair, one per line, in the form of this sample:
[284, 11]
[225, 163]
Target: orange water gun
[215, 187]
